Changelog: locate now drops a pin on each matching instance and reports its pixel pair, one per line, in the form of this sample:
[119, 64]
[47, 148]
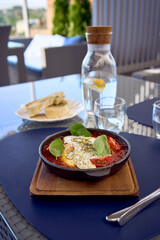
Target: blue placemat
[79, 218]
[142, 112]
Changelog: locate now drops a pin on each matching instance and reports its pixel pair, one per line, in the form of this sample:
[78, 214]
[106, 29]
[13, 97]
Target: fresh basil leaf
[101, 146]
[79, 130]
[56, 147]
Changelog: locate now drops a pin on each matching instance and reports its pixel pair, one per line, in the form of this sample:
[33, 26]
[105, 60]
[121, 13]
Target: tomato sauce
[118, 151]
[46, 153]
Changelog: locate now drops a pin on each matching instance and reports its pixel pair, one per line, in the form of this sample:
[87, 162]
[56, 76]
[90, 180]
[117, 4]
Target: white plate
[75, 109]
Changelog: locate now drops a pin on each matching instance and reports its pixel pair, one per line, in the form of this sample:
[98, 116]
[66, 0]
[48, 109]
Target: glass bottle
[98, 67]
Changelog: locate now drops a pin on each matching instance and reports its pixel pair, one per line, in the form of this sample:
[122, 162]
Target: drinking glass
[156, 117]
[109, 113]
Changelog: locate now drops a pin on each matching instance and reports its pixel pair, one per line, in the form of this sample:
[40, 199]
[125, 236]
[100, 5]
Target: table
[133, 90]
[17, 49]
[11, 98]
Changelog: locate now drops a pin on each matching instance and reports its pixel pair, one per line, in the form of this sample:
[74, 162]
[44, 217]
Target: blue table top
[142, 112]
[79, 218]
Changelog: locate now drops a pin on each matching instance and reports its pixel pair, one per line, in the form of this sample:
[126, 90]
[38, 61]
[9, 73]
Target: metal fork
[126, 214]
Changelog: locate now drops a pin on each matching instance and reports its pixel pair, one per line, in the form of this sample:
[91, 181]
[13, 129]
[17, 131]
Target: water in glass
[97, 88]
[110, 113]
[156, 118]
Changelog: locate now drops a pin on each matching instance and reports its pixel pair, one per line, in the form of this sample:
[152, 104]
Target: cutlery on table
[124, 215]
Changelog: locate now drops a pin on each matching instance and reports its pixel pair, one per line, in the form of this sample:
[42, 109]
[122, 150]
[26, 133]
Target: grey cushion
[152, 74]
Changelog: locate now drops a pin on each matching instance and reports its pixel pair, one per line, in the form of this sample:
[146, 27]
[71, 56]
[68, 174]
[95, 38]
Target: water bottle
[99, 74]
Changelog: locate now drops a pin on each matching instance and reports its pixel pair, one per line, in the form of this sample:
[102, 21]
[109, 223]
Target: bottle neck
[99, 47]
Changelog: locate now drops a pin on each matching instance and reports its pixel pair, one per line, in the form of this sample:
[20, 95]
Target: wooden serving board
[122, 183]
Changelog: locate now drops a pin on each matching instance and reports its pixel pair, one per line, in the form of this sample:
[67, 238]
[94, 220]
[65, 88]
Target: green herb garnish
[101, 146]
[79, 130]
[56, 147]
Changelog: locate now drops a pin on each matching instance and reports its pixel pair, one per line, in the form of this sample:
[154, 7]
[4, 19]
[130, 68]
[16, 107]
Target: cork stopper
[98, 34]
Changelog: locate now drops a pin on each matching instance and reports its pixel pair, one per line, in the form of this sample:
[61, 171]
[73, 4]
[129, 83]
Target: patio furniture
[51, 55]
[4, 36]
[5, 230]
[17, 49]
[8, 48]
[152, 74]
[65, 60]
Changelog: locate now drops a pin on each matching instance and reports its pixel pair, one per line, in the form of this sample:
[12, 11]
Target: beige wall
[34, 31]
[49, 25]
[49, 15]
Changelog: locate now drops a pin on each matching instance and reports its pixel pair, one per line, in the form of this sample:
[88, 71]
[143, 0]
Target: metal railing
[136, 31]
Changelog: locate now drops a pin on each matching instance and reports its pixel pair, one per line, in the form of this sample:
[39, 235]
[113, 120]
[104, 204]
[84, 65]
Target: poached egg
[78, 151]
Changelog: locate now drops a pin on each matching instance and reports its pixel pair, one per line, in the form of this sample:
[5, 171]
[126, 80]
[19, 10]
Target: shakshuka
[80, 153]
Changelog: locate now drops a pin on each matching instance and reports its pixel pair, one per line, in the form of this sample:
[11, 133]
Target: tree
[79, 17]
[60, 19]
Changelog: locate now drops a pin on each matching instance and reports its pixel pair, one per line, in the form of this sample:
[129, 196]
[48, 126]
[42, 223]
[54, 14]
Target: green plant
[79, 17]
[60, 18]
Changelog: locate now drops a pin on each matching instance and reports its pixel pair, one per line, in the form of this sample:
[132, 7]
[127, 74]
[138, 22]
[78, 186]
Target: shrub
[79, 17]
[60, 18]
